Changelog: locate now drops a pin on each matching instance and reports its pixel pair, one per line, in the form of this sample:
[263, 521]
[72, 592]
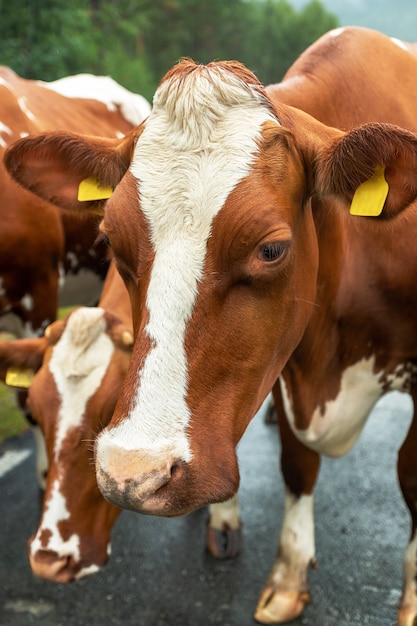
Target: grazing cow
[229, 224]
[38, 246]
[80, 365]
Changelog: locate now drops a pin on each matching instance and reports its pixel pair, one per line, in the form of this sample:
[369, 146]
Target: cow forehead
[200, 140]
[78, 365]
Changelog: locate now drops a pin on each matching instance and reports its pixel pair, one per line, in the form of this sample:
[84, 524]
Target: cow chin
[183, 493]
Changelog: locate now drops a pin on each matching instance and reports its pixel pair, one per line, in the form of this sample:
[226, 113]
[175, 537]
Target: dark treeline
[137, 41]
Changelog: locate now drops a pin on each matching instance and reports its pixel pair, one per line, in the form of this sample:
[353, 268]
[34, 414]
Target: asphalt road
[160, 575]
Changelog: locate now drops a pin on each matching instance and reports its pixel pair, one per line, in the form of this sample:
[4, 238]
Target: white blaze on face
[199, 142]
[78, 364]
[48, 536]
[55, 511]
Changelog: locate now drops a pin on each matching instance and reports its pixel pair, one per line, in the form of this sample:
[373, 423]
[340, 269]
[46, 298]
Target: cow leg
[286, 592]
[407, 475]
[224, 534]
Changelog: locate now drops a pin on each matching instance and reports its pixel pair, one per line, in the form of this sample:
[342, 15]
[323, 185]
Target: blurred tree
[45, 39]
[280, 34]
[137, 41]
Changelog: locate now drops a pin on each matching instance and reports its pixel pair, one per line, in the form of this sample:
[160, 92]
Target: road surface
[160, 575]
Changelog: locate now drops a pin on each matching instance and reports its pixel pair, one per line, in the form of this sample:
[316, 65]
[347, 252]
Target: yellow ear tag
[370, 196]
[19, 377]
[89, 189]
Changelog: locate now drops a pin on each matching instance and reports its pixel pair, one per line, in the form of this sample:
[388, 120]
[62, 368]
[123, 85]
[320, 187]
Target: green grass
[12, 422]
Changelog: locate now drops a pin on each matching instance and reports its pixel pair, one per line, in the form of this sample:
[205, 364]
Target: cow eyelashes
[269, 252]
[102, 238]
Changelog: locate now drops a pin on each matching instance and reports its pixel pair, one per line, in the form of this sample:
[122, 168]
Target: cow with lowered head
[79, 366]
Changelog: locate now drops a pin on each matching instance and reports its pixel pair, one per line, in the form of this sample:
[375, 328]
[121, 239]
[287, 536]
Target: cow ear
[377, 162]
[19, 356]
[54, 165]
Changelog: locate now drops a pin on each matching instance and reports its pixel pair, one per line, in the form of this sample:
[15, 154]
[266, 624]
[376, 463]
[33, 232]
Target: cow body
[39, 246]
[242, 253]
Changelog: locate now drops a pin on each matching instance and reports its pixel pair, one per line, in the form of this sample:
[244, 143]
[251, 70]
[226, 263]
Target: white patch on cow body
[399, 43]
[134, 108]
[336, 32]
[335, 431]
[78, 364]
[72, 259]
[22, 102]
[27, 302]
[4, 130]
[198, 143]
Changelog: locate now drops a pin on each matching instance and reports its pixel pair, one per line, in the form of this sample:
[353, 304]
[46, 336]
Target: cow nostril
[47, 557]
[176, 470]
[49, 565]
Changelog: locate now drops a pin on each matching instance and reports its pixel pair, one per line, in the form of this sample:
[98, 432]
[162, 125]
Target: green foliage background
[137, 41]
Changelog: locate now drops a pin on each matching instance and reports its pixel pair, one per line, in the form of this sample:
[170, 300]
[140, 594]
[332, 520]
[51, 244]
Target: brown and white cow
[38, 245]
[230, 226]
[80, 365]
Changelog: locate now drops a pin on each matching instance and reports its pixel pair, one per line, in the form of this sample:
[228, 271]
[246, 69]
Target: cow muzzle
[163, 480]
[136, 480]
[56, 568]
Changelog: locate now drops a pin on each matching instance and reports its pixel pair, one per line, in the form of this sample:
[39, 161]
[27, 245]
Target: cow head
[212, 231]
[80, 365]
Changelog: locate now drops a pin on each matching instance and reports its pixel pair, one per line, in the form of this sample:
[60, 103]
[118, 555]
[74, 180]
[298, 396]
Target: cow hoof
[407, 616]
[277, 607]
[225, 543]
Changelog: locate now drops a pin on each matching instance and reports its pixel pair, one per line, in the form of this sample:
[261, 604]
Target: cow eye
[269, 252]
